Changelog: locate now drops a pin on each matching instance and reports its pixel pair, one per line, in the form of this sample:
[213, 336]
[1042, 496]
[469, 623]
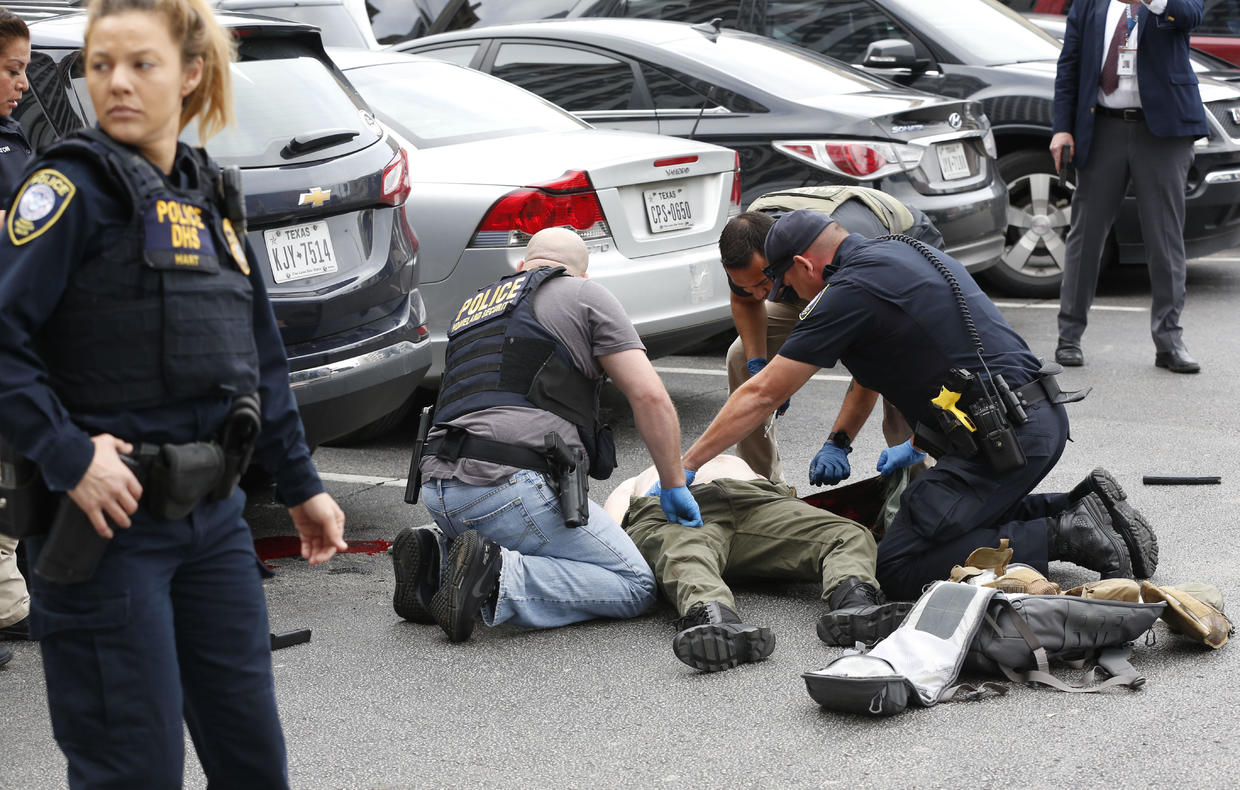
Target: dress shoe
[1083, 536]
[1177, 361]
[415, 558]
[712, 638]
[1138, 536]
[860, 613]
[19, 630]
[471, 578]
[1069, 354]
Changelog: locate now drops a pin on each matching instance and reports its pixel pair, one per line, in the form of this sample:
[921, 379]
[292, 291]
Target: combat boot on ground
[1083, 536]
[415, 560]
[712, 638]
[1140, 539]
[470, 581]
[860, 613]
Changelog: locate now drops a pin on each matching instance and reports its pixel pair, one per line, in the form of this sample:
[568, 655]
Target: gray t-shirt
[591, 323]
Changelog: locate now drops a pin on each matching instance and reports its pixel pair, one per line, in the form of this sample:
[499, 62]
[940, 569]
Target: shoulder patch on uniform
[234, 246]
[809, 308]
[39, 203]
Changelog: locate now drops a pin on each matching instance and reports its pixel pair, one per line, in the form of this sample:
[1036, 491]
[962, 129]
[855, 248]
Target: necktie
[1109, 80]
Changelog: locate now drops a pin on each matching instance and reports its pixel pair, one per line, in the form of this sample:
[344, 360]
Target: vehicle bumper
[674, 299]
[363, 381]
[973, 223]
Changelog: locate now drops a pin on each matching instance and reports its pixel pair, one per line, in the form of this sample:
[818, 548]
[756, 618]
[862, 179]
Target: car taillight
[861, 159]
[568, 201]
[396, 186]
[736, 182]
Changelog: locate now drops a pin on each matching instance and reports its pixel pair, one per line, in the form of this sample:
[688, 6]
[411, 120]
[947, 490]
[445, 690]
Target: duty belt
[457, 443]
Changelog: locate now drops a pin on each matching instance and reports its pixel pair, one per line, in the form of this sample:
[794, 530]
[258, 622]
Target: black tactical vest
[500, 355]
[164, 310]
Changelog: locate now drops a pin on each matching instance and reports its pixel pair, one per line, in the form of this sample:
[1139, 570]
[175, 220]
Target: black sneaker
[1138, 536]
[472, 576]
[712, 638]
[1083, 535]
[415, 558]
[860, 613]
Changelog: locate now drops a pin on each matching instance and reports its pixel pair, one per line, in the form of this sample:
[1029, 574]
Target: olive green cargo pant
[751, 529]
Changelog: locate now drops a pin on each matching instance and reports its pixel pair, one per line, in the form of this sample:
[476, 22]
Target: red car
[1218, 33]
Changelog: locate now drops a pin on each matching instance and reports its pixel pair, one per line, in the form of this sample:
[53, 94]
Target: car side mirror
[890, 53]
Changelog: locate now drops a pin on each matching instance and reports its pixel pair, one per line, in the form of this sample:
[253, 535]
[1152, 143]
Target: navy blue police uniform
[142, 318]
[15, 152]
[890, 317]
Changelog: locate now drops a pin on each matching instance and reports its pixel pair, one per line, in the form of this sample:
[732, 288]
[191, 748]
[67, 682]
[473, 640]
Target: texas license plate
[668, 208]
[300, 251]
[952, 160]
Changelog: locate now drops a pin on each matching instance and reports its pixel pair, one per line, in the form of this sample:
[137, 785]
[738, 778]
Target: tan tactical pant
[751, 529]
[14, 599]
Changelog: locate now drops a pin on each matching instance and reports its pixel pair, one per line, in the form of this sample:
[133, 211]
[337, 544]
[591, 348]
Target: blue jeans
[552, 574]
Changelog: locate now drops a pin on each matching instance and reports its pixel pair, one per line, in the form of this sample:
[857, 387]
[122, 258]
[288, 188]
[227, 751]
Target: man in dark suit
[1127, 107]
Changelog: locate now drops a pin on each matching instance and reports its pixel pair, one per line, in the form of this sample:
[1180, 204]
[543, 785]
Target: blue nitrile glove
[898, 457]
[830, 465]
[657, 490]
[755, 366]
[680, 507]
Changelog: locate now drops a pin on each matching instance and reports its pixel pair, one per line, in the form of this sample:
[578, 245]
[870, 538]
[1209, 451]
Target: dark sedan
[968, 49]
[324, 186]
[795, 118]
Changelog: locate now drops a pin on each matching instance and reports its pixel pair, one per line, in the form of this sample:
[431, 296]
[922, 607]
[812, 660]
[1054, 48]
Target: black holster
[26, 506]
[569, 473]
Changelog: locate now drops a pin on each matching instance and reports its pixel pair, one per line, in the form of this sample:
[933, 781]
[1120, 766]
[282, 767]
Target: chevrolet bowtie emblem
[315, 197]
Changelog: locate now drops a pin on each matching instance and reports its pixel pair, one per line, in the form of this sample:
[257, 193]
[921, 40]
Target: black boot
[6, 654]
[713, 638]
[415, 558]
[1140, 539]
[471, 579]
[1083, 535]
[860, 613]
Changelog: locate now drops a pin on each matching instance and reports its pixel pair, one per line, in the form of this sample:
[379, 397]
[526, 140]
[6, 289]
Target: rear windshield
[275, 101]
[791, 72]
[435, 104]
[981, 33]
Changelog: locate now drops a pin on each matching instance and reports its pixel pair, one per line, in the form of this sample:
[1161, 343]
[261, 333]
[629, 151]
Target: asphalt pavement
[375, 702]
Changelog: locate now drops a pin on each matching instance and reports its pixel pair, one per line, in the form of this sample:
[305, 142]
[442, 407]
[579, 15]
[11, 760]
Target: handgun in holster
[569, 469]
[413, 484]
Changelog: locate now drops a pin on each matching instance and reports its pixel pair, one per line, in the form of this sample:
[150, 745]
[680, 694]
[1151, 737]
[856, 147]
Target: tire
[380, 427]
[1039, 212]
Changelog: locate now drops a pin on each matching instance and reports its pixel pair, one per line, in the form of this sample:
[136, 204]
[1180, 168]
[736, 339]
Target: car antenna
[710, 29]
[710, 94]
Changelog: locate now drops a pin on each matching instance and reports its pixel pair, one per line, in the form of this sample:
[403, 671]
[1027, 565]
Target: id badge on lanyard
[1127, 65]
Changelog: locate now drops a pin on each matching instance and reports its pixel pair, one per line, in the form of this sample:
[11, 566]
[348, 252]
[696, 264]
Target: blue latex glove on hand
[657, 490]
[830, 465]
[680, 507]
[755, 366]
[898, 457]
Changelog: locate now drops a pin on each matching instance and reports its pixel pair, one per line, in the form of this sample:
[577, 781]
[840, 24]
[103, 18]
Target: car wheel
[379, 428]
[1039, 211]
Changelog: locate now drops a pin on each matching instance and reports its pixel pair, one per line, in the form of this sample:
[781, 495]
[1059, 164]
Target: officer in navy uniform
[898, 323]
[14, 151]
[131, 316]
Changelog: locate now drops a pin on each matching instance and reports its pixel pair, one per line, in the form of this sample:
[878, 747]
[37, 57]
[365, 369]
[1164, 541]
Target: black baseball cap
[791, 235]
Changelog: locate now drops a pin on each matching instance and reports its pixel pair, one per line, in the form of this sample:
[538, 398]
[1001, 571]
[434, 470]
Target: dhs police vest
[163, 312]
[500, 355]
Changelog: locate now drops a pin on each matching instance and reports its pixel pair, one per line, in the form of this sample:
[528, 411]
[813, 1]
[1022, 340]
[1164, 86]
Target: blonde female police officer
[130, 313]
